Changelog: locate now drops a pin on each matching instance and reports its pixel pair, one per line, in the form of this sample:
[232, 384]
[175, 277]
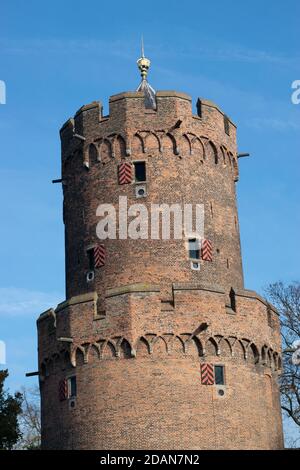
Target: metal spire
[142, 44]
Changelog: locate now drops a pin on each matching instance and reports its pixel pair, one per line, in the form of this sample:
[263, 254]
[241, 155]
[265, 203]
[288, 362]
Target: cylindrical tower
[158, 344]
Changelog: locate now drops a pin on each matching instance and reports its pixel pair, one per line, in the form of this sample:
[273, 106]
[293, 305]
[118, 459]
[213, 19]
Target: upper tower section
[152, 150]
[172, 116]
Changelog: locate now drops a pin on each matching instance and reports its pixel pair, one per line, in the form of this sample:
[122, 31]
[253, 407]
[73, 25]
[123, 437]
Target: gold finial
[143, 62]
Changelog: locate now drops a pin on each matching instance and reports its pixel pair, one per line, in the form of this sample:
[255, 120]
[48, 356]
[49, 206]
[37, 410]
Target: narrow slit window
[194, 248]
[226, 125]
[72, 387]
[232, 300]
[91, 259]
[139, 171]
[219, 375]
[199, 107]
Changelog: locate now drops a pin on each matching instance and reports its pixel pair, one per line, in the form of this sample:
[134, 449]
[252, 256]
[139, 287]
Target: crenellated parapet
[103, 139]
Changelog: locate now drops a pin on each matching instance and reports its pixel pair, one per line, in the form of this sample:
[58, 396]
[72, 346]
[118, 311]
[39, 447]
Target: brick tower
[158, 345]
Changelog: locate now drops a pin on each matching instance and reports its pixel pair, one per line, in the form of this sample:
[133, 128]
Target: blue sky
[57, 56]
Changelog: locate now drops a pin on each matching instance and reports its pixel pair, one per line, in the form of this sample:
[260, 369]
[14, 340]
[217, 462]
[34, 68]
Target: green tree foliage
[10, 409]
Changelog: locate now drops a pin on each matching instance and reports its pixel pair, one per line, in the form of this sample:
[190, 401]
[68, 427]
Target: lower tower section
[189, 374]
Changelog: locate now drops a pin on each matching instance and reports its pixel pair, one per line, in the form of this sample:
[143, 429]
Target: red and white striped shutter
[125, 173]
[63, 390]
[207, 374]
[206, 250]
[99, 256]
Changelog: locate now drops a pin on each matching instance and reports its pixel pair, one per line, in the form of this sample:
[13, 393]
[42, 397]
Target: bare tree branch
[286, 298]
[30, 422]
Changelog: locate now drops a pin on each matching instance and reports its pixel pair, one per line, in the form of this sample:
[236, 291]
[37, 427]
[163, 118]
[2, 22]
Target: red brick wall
[142, 328]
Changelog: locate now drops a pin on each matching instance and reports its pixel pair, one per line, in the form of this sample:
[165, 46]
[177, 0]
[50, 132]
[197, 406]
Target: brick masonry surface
[138, 332]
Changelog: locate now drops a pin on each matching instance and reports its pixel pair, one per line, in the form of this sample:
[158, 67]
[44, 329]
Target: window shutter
[63, 390]
[207, 374]
[99, 256]
[206, 250]
[125, 173]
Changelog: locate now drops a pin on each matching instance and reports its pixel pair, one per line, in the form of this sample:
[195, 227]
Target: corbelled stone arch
[229, 157]
[275, 360]
[269, 358]
[279, 362]
[93, 353]
[93, 154]
[225, 348]
[168, 337]
[190, 136]
[223, 154]
[105, 151]
[137, 144]
[239, 351]
[78, 356]
[186, 337]
[211, 347]
[119, 147]
[188, 343]
[169, 143]
[150, 337]
[176, 345]
[218, 338]
[264, 354]
[246, 343]
[101, 343]
[198, 148]
[194, 346]
[86, 347]
[116, 341]
[152, 142]
[159, 347]
[234, 166]
[185, 145]
[253, 354]
[211, 152]
[109, 350]
[125, 349]
[142, 347]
